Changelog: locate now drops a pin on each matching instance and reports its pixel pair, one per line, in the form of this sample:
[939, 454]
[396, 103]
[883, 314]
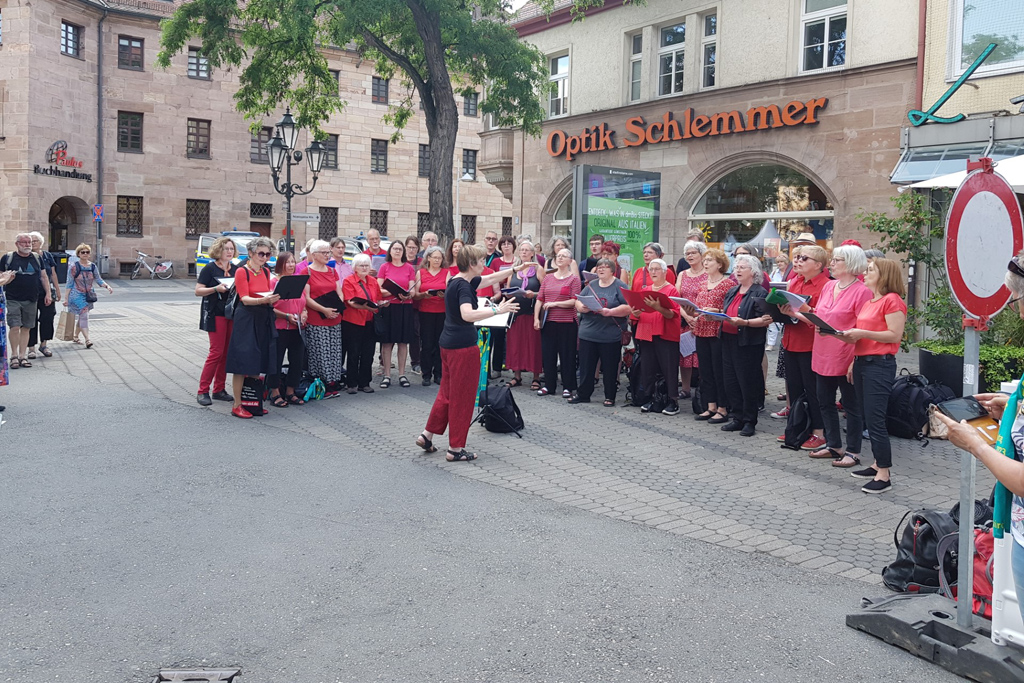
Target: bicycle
[163, 270]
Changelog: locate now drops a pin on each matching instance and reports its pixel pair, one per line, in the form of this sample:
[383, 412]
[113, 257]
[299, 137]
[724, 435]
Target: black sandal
[535, 385]
[463, 454]
[514, 382]
[403, 381]
[278, 401]
[608, 403]
[294, 400]
[423, 442]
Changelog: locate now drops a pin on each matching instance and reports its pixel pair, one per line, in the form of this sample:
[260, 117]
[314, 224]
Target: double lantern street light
[282, 152]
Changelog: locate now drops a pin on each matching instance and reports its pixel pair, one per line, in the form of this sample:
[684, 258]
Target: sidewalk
[669, 473]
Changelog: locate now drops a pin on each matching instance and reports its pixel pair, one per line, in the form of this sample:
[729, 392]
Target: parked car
[239, 237]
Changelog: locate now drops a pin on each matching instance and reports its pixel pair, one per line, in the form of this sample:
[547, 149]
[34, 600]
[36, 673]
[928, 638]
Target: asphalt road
[142, 534]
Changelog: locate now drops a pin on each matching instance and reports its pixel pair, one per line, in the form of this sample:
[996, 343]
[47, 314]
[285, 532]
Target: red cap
[850, 243]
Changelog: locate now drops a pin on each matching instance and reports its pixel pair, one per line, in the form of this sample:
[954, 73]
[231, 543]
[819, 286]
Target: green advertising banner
[629, 222]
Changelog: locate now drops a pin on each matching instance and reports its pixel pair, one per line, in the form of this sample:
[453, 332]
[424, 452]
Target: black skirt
[396, 324]
[252, 350]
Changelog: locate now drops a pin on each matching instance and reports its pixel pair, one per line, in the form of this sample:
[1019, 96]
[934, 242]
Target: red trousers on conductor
[453, 407]
[214, 371]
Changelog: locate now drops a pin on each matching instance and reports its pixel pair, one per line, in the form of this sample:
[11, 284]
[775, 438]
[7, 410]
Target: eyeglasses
[491, 239]
[1014, 268]
[832, 260]
[801, 257]
[322, 251]
[263, 254]
[85, 251]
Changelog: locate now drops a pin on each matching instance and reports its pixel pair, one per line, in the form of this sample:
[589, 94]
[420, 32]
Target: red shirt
[371, 252]
[403, 275]
[872, 318]
[248, 283]
[799, 337]
[320, 283]
[353, 288]
[432, 304]
[555, 290]
[733, 312]
[655, 324]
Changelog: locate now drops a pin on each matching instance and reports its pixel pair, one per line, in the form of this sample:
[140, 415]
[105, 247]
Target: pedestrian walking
[23, 292]
[42, 333]
[5, 278]
[81, 294]
[213, 286]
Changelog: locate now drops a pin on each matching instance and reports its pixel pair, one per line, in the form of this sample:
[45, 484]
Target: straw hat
[804, 238]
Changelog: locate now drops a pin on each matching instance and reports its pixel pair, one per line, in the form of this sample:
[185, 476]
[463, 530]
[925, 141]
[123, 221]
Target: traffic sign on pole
[314, 217]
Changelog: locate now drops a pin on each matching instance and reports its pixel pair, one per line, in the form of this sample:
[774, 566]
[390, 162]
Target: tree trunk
[442, 117]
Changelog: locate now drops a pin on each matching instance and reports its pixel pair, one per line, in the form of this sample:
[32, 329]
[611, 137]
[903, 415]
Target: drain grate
[197, 675]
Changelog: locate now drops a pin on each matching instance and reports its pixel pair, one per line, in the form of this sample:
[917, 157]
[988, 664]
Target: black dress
[252, 350]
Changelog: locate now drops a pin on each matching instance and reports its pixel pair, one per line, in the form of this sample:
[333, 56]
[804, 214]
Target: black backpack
[638, 395]
[500, 413]
[911, 395]
[916, 567]
[798, 424]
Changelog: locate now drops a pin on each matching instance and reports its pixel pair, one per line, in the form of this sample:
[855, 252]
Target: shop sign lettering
[57, 156]
[668, 128]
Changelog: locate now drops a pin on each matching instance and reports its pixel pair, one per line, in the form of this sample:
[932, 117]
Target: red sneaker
[782, 414]
[814, 443]
[781, 439]
[241, 412]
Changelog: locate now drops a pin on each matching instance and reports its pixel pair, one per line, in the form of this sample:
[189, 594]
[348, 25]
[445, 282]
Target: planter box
[943, 367]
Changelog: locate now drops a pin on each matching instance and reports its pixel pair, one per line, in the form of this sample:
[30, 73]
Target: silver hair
[555, 238]
[38, 236]
[874, 253]
[695, 234]
[660, 262]
[425, 262]
[698, 247]
[658, 249]
[256, 242]
[317, 245]
[360, 260]
[517, 261]
[853, 256]
[755, 266]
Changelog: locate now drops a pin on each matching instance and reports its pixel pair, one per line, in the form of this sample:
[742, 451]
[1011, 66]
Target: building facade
[768, 118]
[87, 118]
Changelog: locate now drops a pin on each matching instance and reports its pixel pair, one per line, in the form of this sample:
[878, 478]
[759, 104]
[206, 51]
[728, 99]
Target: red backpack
[984, 548]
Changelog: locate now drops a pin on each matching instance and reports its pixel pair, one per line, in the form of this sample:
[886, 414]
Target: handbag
[66, 327]
[90, 296]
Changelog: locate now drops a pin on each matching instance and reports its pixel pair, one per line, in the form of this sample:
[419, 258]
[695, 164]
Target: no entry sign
[984, 230]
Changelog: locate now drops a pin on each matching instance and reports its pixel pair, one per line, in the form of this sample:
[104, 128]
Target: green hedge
[998, 363]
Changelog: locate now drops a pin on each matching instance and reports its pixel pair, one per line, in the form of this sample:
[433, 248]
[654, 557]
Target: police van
[241, 238]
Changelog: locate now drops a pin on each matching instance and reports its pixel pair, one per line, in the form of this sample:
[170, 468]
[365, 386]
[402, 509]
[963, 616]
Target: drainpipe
[922, 32]
[99, 138]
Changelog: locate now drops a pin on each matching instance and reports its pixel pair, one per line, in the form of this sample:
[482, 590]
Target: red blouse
[352, 288]
[320, 283]
[248, 283]
[655, 324]
[799, 337]
[432, 304]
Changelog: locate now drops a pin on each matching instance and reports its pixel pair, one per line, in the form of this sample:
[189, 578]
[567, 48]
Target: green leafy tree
[437, 47]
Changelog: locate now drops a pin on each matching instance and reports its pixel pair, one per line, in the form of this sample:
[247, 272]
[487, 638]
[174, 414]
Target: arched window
[561, 222]
[763, 202]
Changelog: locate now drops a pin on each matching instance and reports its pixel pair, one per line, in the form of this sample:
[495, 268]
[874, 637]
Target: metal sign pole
[965, 555]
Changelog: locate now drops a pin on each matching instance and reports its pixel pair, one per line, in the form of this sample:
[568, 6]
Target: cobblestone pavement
[671, 473]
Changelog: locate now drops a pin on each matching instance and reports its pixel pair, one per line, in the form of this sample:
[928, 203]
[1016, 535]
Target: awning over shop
[1012, 169]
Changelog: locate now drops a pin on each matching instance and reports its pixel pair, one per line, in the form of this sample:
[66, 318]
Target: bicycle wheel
[135, 271]
[166, 274]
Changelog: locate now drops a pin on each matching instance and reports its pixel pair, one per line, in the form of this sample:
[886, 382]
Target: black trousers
[741, 367]
[360, 341]
[609, 353]
[712, 377]
[43, 332]
[497, 349]
[558, 342]
[290, 341]
[431, 326]
[660, 356]
[800, 379]
[827, 387]
[414, 345]
[873, 377]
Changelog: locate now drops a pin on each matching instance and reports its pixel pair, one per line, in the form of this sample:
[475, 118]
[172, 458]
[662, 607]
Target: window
[469, 162]
[977, 24]
[469, 229]
[379, 156]
[70, 39]
[379, 221]
[198, 65]
[198, 141]
[129, 53]
[824, 34]
[261, 210]
[558, 100]
[328, 223]
[635, 66]
[129, 216]
[424, 159]
[129, 131]
[709, 50]
[469, 104]
[258, 143]
[331, 158]
[197, 218]
[379, 93]
[922, 163]
[671, 49]
[422, 223]
[336, 75]
[506, 226]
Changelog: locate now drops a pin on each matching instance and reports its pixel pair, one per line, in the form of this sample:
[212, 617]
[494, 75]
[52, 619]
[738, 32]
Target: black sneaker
[646, 408]
[876, 486]
[671, 409]
[866, 473]
[732, 426]
[426, 382]
[204, 400]
[223, 396]
[748, 429]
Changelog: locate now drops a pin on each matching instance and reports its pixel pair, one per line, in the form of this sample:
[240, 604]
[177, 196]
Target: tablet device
[968, 409]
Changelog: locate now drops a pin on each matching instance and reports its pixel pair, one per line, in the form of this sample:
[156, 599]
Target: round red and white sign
[984, 230]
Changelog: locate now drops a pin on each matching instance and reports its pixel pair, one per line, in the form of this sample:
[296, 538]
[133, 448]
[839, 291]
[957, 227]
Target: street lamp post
[458, 196]
[282, 152]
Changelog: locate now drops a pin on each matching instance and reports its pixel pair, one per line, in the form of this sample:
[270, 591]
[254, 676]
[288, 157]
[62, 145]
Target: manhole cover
[199, 675]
